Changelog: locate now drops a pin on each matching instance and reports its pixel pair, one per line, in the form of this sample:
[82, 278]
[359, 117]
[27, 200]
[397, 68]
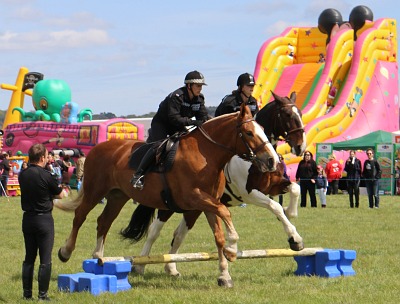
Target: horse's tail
[139, 224]
[69, 204]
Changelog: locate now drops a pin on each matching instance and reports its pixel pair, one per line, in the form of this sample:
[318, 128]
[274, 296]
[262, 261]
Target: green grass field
[373, 233]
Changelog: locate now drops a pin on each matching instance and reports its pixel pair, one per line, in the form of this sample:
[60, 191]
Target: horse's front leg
[294, 193]
[187, 223]
[115, 203]
[232, 237]
[65, 252]
[224, 278]
[259, 199]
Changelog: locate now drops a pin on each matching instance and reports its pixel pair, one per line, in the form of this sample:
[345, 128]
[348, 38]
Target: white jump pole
[204, 256]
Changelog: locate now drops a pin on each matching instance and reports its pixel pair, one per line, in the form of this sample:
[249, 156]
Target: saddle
[165, 154]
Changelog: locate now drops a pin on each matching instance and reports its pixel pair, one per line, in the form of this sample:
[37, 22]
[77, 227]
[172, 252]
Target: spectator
[80, 164]
[5, 171]
[372, 173]
[50, 162]
[397, 178]
[56, 166]
[321, 58]
[24, 166]
[66, 164]
[333, 171]
[38, 189]
[307, 173]
[322, 184]
[353, 170]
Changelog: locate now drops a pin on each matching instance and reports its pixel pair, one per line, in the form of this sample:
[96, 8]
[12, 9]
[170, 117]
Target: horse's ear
[276, 97]
[293, 97]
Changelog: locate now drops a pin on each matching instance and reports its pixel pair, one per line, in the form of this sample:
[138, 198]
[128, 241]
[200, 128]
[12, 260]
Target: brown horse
[281, 119]
[196, 179]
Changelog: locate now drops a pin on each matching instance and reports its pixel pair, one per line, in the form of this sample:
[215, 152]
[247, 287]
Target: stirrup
[138, 182]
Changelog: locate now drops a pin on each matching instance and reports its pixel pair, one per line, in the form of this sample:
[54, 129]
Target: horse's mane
[223, 115]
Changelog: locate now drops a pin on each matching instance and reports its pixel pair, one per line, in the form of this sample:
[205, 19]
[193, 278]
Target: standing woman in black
[38, 189]
[307, 174]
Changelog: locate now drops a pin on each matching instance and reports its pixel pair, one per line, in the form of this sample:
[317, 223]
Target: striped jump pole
[204, 256]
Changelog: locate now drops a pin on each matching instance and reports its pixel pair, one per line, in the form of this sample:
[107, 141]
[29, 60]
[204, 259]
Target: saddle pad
[165, 161]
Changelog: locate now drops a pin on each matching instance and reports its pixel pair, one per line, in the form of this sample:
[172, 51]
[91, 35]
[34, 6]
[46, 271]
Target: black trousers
[333, 187]
[353, 187]
[38, 230]
[307, 186]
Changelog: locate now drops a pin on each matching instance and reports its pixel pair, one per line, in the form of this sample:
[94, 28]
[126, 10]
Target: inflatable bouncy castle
[345, 75]
[56, 121]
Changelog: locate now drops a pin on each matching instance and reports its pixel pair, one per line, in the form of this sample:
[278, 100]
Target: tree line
[110, 115]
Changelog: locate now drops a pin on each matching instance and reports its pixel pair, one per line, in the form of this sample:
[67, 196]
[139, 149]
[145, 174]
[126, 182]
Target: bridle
[278, 122]
[250, 156]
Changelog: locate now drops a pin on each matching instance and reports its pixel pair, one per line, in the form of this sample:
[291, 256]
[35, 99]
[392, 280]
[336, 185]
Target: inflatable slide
[352, 93]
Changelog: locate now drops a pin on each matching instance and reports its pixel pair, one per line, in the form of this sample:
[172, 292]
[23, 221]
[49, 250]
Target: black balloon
[359, 15]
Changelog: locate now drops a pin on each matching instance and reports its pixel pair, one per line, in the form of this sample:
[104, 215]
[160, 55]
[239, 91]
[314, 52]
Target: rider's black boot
[138, 178]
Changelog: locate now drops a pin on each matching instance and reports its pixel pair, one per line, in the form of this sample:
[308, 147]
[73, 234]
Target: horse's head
[257, 147]
[272, 183]
[281, 120]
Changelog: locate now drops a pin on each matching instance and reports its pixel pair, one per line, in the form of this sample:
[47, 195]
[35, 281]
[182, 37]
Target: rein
[251, 154]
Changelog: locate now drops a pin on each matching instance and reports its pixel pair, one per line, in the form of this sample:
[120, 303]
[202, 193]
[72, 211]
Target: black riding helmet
[195, 77]
[245, 79]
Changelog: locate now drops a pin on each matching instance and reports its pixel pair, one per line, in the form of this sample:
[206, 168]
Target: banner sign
[323, 152]
[384, 155]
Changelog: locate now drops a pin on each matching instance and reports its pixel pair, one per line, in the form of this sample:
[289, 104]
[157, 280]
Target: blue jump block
[345, 264]
[98, 284]
[120, 269]
[305, 265]
[92, 266]
[326, 263]
[69, 282]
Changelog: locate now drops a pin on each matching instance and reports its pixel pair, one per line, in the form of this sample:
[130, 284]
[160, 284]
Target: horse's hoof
[172, 271]
[225, 283]
[229, 255]
[295, 246]
[175, 275]
[138, 269]
[61, 257]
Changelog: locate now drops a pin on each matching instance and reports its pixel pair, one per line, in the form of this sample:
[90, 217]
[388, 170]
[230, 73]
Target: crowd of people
[315, 179]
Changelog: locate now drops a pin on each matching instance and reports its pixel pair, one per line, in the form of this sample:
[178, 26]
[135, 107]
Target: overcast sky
[126, 56]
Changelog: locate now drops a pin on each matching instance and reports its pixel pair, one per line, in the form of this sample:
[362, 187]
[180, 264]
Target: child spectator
[322, 184]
